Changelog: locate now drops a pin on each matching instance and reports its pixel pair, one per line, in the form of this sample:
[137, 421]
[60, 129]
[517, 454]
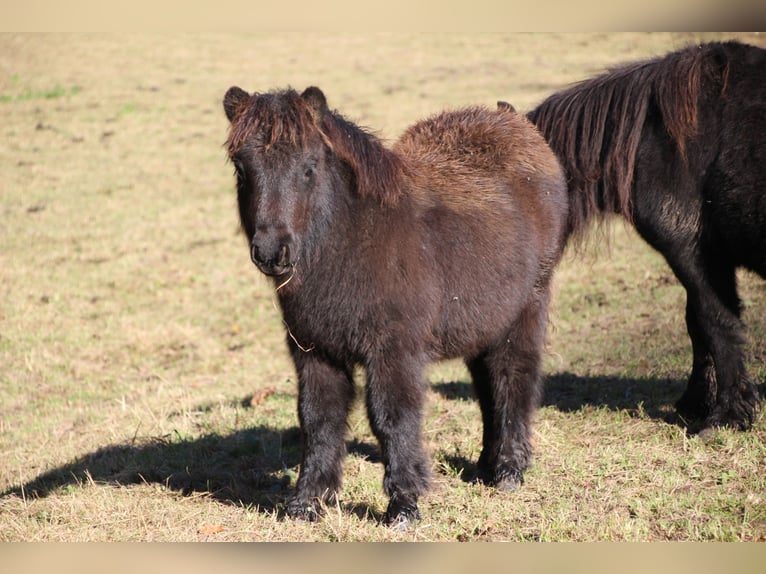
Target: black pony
[677, 145]
[442, 246]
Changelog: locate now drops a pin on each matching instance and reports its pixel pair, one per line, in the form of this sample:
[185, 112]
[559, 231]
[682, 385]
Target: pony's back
[478, 138]
[475, 145]
[595, 126]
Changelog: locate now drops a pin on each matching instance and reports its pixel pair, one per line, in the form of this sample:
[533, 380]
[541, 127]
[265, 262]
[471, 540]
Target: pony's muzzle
[274, 261]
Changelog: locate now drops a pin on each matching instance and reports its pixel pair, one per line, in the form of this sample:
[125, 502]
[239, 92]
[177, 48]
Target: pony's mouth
[273, 269]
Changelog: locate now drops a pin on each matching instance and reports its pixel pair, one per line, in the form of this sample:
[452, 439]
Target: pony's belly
[467, 329]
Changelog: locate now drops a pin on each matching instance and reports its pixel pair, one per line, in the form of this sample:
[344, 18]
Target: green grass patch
[57, 91]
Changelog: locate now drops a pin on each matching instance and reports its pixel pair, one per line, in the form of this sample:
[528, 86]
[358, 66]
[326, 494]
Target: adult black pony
[677, 145]
[442, 246]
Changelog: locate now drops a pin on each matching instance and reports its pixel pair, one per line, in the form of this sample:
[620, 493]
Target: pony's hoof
[503, 480]
[401, 517]
[732, 419]
[508, 481]
[741, 413]
[508, 484]
[307, 510]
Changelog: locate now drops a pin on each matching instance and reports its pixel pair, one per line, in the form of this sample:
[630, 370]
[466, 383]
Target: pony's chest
[351, 314]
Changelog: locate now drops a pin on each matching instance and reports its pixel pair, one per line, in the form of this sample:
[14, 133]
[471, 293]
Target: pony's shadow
[569, 392]
[249, 467]
[253, 468]
[651, 398]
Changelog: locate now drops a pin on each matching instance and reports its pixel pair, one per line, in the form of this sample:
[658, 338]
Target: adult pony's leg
[325, 394]
[700, 397]
[720, 392]
[507, 380]
[395, 396]
[482, 384]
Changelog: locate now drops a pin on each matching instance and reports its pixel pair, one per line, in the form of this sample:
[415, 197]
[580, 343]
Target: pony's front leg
[325, 394]
[395, 396]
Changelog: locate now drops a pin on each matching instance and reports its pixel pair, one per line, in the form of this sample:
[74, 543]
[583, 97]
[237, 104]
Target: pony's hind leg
[395, 396]
[699, 398]
[719, 392]
[325, 395]
[507, 380]
[719, 387]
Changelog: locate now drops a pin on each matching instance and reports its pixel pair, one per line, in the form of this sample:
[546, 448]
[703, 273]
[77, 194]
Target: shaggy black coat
[677, 145]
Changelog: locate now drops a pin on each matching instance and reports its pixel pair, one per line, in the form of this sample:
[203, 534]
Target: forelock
[271, 120]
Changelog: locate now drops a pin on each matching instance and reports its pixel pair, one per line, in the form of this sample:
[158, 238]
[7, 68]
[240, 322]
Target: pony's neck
[379, 173]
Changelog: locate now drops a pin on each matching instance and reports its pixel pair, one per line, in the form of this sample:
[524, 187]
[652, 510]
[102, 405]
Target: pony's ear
[316, 101]
[504, 107]
[233, 100]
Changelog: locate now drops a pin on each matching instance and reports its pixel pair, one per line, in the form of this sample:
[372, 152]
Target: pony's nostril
[284, 256]
[253, 253]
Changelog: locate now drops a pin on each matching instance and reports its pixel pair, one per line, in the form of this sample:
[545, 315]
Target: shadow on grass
[254, 468]
[653, 398]
[569, 392]
[249, 467]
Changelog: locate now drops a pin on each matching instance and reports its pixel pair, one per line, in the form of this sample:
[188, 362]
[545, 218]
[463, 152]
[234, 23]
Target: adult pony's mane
[283, 120]
[595, 126]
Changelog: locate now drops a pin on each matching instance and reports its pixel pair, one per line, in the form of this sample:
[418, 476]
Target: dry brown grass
[146, 392]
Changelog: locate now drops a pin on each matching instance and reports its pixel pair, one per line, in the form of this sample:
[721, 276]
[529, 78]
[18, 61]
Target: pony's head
[296, 161]
[280, 155]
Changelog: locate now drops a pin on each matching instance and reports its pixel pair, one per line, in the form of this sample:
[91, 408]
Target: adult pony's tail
[595, 126]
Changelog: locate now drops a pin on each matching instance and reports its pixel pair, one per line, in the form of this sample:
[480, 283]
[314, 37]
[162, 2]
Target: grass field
[145, 389]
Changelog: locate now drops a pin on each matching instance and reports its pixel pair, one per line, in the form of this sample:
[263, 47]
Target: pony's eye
[310, 168]
[239, 170]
